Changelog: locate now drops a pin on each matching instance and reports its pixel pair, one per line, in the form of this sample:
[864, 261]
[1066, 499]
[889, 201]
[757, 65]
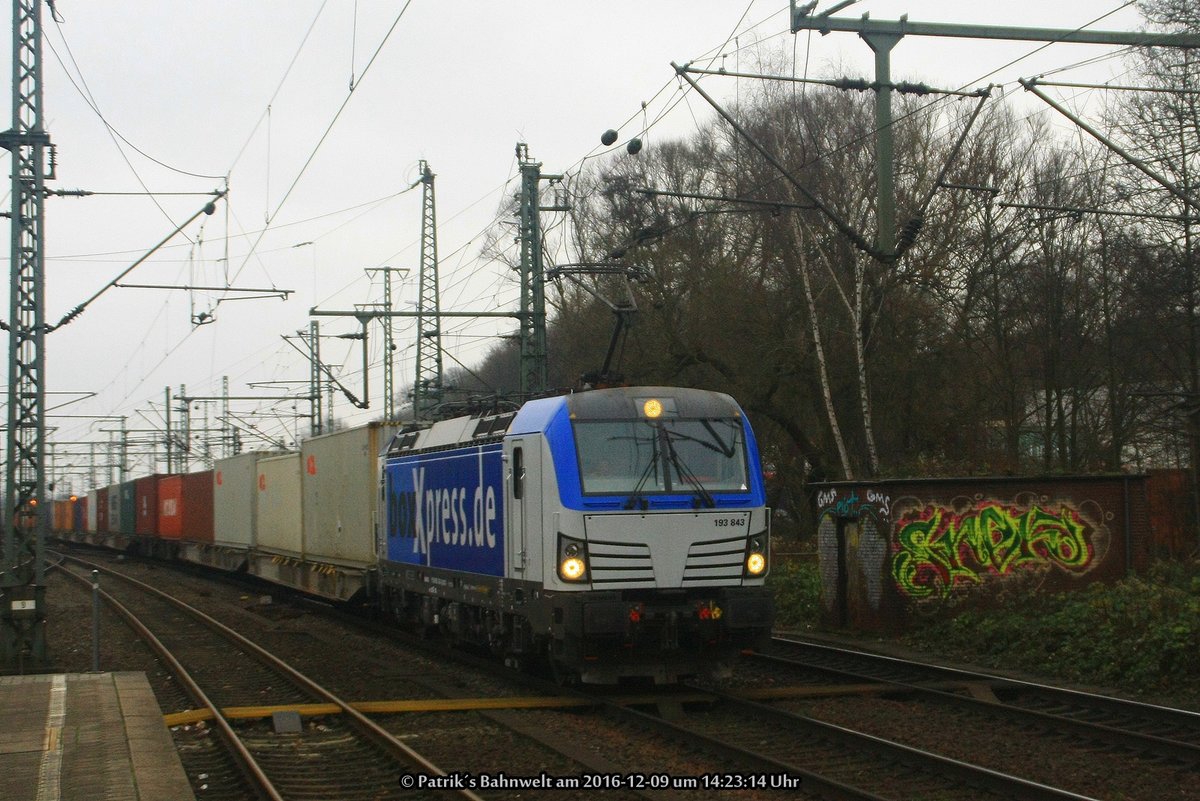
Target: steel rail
[1134, 740]
[1160, 714]
[975, 775]
[811, 781]
[247, 761]
[377, 733]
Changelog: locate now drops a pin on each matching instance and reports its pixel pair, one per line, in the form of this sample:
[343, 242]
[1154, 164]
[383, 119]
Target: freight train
[606, 534]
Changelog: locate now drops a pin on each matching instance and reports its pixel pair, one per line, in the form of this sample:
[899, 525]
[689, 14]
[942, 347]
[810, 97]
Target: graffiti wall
[888, 549]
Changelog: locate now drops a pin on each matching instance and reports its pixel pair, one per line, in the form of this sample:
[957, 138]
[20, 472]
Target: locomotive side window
[518, 473]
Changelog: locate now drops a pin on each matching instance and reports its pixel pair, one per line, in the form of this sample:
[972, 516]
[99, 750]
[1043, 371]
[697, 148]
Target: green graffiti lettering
[938, 549]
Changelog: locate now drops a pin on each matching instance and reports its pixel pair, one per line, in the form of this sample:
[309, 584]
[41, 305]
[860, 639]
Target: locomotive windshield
[642, 457]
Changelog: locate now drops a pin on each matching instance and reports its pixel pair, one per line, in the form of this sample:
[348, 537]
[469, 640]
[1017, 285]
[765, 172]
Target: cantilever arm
[209, 208]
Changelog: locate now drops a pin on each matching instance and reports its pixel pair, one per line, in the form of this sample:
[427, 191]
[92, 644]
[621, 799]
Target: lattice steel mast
[427, 389]
[22, 566]
[532, 336]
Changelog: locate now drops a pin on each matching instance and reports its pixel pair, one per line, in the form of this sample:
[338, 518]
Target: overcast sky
[260, 92]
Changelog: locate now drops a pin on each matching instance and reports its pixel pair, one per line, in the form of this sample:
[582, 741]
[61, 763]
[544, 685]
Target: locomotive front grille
[625, 563]
[716, 561]
[667, 549]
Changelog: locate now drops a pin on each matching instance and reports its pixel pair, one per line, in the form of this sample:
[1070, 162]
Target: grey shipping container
[235, 498]
[341, 494]
[278, 516]
[93, 510]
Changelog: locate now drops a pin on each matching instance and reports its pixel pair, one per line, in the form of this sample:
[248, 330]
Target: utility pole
[427, 387]
[23, 558]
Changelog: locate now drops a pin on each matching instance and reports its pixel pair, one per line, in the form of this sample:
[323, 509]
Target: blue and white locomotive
[611, 533]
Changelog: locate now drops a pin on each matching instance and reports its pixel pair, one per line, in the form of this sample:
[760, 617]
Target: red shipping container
[102, 510]
[185, 507]
[145, 505]
[61, 514]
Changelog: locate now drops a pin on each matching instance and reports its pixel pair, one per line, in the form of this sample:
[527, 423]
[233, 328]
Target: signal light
[635, 614]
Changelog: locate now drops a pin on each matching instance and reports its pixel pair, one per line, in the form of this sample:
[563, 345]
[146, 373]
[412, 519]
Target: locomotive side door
[524, 504]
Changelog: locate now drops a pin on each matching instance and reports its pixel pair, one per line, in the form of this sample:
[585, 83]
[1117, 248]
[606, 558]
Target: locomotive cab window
[518, 473]
[660, 456]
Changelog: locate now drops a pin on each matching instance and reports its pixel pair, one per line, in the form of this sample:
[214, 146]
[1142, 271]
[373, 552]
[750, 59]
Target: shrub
[797, 587]
[1140, 634]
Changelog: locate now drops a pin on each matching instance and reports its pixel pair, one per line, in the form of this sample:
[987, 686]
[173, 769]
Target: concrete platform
[86, 737]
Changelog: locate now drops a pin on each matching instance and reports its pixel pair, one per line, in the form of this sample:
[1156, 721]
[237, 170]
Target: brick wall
[1169, 493]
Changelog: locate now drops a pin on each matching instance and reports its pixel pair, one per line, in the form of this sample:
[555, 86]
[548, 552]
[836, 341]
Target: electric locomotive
[610, 533]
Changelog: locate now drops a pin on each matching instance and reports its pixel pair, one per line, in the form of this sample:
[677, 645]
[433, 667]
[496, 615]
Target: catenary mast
[22, 561]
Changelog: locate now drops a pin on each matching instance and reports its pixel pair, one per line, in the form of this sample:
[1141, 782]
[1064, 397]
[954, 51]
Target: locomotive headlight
[572, 559]
[755, 564]
[572, 568]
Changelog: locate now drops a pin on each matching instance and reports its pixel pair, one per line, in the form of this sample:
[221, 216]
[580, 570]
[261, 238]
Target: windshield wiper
[636, 500]
[704, 497]
[719, 447]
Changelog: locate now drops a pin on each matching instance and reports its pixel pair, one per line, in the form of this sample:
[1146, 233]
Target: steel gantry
[883, 35]
[22, 570]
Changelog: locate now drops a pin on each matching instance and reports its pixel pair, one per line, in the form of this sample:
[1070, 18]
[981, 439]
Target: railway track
[1148, 730]
[829, 761]
[563, 740]
[689, 743]
[347, 757]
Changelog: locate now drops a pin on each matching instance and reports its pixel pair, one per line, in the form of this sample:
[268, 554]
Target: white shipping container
[341, 494]
[235, 496]
[278, 516]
